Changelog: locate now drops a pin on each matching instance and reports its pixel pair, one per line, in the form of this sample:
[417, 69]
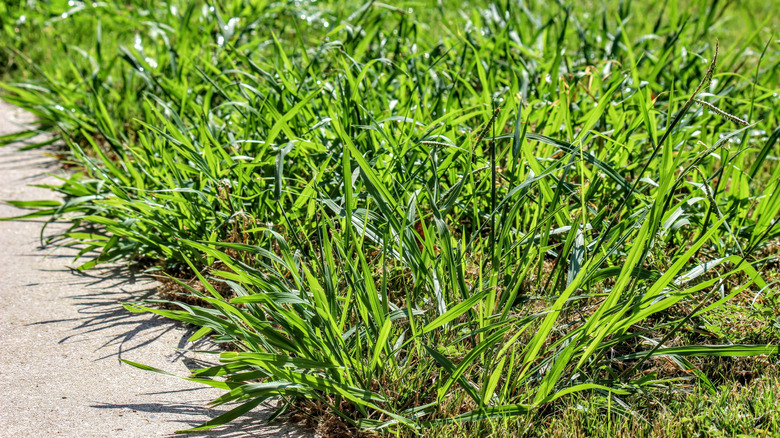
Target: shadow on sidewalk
[99, 304]
[254, 424]
[100, 308]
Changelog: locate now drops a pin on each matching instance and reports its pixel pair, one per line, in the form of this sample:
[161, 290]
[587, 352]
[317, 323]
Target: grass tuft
[473, 219]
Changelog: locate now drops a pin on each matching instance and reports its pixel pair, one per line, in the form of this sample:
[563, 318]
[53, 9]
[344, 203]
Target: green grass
[422, 218]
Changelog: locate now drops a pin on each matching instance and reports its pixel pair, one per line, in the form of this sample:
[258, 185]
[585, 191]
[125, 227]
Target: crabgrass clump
[409, 218]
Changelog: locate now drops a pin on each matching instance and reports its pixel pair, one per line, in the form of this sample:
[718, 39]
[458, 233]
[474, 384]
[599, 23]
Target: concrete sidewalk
[62, 335]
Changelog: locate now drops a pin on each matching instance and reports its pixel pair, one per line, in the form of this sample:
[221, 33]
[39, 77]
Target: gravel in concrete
[62, 335]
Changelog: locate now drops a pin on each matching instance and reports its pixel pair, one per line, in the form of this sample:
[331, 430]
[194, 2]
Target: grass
[473, 218]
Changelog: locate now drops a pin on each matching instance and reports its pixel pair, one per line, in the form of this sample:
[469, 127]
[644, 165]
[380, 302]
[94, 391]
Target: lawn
[440, 218]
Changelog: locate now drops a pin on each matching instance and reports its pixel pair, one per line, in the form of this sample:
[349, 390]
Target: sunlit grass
[413, 218]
